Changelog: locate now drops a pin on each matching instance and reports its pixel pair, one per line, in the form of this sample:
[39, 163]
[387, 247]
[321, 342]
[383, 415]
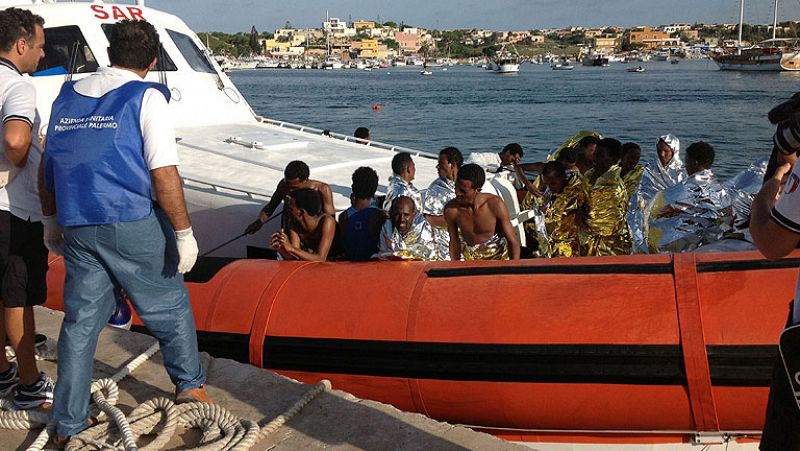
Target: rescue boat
[632, 349]
[615, 349]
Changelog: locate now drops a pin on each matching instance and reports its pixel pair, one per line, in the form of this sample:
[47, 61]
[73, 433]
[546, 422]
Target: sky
[267, 15]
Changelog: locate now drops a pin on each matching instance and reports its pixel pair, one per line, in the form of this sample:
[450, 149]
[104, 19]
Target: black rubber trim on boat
[647, 268]
[736, 366]
[730, 365]
[747, 265]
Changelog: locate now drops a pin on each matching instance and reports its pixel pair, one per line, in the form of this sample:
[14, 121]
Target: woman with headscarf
[665, 171]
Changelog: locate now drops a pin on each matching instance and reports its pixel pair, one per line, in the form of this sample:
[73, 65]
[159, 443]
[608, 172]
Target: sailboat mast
[775, 21]
[741, 23]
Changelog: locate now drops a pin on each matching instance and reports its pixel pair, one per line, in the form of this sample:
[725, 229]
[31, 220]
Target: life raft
[612, 349]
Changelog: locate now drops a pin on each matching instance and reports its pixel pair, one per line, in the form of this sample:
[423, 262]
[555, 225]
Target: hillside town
[339, 43]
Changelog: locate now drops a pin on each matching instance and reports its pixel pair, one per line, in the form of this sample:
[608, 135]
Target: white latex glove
[187, 250]
[53, 235]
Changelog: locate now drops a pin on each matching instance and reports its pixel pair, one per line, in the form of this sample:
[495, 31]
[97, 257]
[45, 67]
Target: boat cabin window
[164, 62]
[66, 50]
[196, 58]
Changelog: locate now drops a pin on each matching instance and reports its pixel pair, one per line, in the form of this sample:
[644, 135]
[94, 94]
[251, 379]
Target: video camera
[787, 118]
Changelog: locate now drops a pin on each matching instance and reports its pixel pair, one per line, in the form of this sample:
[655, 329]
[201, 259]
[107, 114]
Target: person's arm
[294, 249]
[277, 197]
[17, 135]
[52, 234]
[450, 215]
[501, 213]
[436, 220]
[772, 239]
[527, 183]
[327, 200]
[532, 167]
[169, 194]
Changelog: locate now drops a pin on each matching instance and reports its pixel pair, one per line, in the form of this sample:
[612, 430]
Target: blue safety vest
[94, 156]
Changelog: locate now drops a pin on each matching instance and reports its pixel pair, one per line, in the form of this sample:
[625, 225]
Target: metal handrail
[217, 187]
[347, 138]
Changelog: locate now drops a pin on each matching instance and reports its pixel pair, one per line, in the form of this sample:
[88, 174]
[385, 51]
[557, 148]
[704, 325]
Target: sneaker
[38, 394]
[194, 395]
[8, 380]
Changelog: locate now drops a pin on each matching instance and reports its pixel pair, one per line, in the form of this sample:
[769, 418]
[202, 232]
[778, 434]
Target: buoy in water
[376, 107]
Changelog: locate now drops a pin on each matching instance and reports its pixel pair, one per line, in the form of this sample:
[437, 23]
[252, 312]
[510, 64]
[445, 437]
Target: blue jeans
[141, 257]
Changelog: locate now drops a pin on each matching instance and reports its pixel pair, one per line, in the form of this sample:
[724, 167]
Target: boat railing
[347, 138]
[235, 189]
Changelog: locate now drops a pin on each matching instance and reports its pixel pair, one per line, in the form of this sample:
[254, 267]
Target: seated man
[694, 212]
[506, 160]
[606, 227]
[477, 222]
[360, 225]
[442, 191]
[310, 233]
[565, 201]
[630, 169]
[400, 183]
[295, 177]
[407, 235]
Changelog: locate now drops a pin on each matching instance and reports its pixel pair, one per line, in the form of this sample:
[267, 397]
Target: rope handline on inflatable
[221, 429]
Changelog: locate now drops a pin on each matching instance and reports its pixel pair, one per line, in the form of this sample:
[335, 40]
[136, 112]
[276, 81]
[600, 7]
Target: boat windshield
[164, 62]
[197, 59]
[65, 48]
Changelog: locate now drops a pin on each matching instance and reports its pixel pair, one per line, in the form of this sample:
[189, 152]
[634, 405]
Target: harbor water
[478, 110]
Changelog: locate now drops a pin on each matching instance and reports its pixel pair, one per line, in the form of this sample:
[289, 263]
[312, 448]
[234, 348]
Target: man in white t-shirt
[23, 256]
[111, 163]
[775, 226]
[504, 162]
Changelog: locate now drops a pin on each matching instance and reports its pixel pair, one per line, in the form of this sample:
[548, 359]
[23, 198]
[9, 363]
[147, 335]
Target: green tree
[390, 24]
[253, 43]
[392, 44]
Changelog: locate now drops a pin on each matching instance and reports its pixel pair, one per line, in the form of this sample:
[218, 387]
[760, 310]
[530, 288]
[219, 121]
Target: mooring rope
[222, 431]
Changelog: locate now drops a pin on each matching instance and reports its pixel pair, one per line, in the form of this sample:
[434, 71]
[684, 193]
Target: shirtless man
[480, 220]
[310, 233]
[295, 177]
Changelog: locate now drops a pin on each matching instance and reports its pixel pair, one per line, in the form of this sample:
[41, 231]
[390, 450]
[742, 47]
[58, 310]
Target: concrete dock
[334, 420]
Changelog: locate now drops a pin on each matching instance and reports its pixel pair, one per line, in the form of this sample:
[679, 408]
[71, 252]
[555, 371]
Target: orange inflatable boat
[612, 349]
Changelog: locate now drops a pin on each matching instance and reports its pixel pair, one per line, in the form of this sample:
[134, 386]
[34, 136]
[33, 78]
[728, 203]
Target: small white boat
[425, 72]
[562, 66]
[635, 69]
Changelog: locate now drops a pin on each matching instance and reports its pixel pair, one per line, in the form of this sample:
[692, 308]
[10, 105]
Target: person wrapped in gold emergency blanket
[564, 206]
[407, 235]
[607, 232]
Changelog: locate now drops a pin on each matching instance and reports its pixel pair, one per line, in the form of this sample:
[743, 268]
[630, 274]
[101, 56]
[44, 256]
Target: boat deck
[334, 420]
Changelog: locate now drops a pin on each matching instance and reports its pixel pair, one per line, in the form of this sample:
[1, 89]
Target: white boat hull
[509, 68]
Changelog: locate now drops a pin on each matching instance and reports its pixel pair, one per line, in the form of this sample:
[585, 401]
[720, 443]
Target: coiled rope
[221, 429]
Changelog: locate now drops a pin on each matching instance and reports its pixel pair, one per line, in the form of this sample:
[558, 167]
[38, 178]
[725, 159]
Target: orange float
[613, 349]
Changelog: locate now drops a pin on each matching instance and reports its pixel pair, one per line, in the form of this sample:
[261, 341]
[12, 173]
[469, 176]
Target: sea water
[478, 110]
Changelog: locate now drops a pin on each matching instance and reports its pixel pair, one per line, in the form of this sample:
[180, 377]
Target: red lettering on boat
[118, 13]
[135, 13]
[99, 12]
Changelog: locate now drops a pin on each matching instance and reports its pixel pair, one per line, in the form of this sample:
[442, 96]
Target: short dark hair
[554, 167]
[630, 146]
[586, 140]
[133, 44]
[401, 161]
[514, 149]
[307, 199]
[16, 24]
[701, 152]
[365, 183]
[361, 133]
[453, 156]
[568, 155]
[613, 146]
[474, 174]
[296, 170]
